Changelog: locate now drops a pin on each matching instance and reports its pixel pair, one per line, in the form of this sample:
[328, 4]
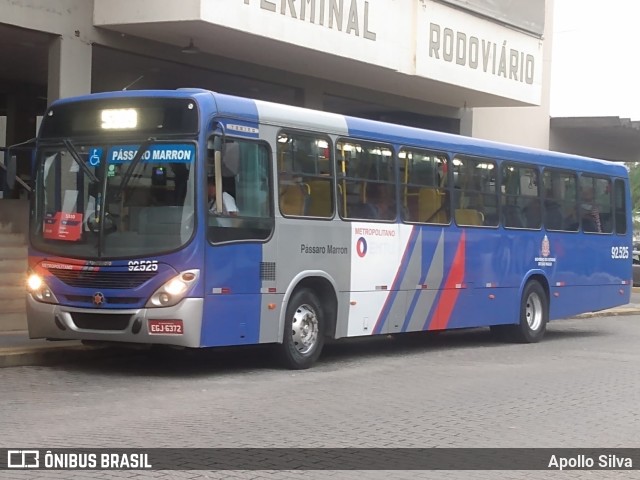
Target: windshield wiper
[76, 157]
[132, 166]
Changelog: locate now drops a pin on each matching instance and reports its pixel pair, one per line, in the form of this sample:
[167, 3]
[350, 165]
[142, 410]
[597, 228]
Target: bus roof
[261, 112]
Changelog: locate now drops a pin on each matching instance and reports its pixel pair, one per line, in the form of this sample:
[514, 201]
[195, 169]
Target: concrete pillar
[527, 126]
[466, 122]
[69, 68]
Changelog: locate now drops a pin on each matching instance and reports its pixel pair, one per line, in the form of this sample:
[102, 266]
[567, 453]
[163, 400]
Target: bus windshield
[114, 200]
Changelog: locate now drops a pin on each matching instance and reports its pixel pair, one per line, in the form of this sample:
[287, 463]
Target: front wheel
[303, 330]
[534, 315]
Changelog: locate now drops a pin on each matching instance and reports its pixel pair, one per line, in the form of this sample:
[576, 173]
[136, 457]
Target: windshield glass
[90, 203]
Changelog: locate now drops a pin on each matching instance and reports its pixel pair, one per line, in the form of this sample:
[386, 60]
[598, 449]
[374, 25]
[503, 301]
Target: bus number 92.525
[619, 252]
[143, 266]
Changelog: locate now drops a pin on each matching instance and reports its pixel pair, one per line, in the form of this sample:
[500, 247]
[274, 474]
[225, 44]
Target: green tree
[634, 181]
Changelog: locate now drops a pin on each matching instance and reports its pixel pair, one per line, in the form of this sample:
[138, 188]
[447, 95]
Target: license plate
[165, 327]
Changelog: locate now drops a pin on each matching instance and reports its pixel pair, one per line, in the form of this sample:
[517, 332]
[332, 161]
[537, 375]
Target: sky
[595, 68]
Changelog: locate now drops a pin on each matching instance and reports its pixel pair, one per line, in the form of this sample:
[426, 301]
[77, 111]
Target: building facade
[475, 67]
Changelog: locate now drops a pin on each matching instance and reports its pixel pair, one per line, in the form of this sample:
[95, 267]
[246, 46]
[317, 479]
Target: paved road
[578, 388]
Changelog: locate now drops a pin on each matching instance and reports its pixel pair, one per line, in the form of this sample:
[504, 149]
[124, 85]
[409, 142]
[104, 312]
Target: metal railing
[9, 165]
[18, 180]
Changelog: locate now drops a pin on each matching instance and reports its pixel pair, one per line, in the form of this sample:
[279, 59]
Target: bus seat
[320, 198]
[469, 216]
[430, 206]
[294, 199]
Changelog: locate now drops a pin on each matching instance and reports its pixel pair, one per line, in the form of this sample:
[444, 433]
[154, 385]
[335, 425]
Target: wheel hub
[533, 311]
[304, 329]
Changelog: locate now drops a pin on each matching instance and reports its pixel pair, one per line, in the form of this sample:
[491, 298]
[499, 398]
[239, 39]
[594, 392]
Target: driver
[229, 206]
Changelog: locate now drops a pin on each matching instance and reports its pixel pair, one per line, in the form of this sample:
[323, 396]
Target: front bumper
[131, 325]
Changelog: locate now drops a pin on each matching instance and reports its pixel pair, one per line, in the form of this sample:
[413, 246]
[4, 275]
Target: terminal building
[478, 68]
[473, 67]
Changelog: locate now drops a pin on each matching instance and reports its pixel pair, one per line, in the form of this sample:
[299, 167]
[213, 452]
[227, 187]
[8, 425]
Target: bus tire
[534, 315]
[304, 325]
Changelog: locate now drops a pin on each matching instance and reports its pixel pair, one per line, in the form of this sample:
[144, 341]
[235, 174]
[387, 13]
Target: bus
[341, 227]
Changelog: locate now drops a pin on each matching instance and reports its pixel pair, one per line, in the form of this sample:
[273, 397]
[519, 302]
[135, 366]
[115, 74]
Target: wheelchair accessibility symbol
[94, 156]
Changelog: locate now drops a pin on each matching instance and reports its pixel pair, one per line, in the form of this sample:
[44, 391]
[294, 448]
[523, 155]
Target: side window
[560, 204]
[305, 186]
[521, 203]
[245, 213]
[423, 194]
[366, 181]
[595, 204]
[475, 198]
[620, 197]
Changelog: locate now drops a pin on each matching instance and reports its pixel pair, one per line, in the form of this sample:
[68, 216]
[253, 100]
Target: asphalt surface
[577, 388]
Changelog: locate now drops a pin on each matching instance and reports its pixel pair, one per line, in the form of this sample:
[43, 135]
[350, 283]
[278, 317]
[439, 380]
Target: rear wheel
[534, 315]
[303, 330]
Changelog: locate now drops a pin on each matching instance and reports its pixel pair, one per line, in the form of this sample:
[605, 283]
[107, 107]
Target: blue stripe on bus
[241, 109]
[180, 93]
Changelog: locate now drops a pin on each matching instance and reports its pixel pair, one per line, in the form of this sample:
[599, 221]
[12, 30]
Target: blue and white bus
[342, 227]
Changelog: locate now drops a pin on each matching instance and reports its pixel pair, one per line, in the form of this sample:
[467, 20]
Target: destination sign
[170, 153]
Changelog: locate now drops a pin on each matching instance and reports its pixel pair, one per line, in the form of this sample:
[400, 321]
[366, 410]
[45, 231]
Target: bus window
[424, 186]
[246, 211]
[305, 174]
[560, 204]
[475, 197]
[521, 204]
[595, 204]
[620, 202]
[366, 181]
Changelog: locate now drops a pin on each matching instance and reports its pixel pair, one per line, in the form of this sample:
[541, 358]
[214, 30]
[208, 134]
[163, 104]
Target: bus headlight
[174, 290]
[37, 287]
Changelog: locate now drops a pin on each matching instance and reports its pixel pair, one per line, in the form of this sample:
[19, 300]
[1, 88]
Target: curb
[610, 313]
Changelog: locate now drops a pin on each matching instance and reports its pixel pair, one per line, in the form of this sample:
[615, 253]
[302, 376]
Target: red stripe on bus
[450, 293]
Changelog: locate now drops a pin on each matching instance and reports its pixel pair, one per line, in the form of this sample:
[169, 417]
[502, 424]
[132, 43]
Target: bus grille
[102, 278]
[101, 321]
[109, 300]
[268, 271]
